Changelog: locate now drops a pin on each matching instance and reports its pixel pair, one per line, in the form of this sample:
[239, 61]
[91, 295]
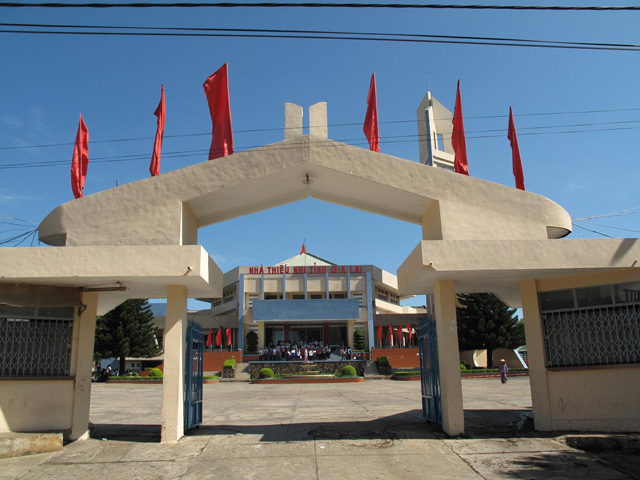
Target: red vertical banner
[80, 160]
[371, 118]
[410, 334]
[457, 138]
[390, 335]
[399, 333]
[209, 338]
[216, 89]
[228, 334]
[380, 335]
[515, 153]
[219, 337]
[154, 168]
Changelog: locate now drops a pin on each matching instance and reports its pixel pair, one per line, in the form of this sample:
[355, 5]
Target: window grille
[608, 335]
[32, 346]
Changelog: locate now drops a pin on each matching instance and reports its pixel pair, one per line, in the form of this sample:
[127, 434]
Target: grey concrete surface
[370, 430]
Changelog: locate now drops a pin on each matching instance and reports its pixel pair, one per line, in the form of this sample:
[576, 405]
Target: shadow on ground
[479, 424]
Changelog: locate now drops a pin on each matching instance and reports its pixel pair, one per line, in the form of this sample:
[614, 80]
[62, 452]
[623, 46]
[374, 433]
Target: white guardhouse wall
[601, 398]
[36, 406]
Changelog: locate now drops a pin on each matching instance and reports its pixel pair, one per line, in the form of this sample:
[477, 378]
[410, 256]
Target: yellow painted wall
[30, 406]
[606, 399]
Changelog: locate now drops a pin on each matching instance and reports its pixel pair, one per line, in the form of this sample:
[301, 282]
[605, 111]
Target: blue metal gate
[429, 371]
[193, 376]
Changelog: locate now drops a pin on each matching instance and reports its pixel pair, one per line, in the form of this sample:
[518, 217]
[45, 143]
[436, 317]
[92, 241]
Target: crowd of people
[292, 351]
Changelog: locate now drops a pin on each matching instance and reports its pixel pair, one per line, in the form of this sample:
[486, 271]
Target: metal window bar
[592, 336]
[35, 347]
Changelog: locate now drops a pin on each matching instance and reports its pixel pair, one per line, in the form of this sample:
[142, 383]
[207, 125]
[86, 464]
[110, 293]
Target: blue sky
[115, 83]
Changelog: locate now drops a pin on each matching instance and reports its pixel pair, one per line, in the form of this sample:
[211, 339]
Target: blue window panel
[317, 309]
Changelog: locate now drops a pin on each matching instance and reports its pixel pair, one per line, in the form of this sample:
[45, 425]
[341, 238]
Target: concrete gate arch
[478, 236]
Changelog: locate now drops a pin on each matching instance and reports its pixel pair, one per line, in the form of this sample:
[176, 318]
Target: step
[19, 444]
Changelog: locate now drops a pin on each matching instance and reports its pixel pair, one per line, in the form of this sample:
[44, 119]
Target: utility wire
[433, 6]
[354, 124]
[592, 231]
[616, 228]
[318, 37]
[621, 213]
[290, 146]
[317, 32]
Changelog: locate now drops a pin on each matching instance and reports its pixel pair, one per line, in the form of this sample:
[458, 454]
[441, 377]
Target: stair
[242, 372]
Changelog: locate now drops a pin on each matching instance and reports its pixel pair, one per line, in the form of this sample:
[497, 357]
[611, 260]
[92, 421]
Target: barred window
[592, 326]
[35, 341]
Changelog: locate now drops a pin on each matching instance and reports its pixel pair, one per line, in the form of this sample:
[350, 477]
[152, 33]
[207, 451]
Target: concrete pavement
[370, 430]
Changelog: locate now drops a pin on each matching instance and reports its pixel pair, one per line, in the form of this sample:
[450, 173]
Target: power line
[360, 123]
[621, 213]
[318, 32]
[592, 231]
[320, 5]
[319, 37]
[616, 228]
[322, 143]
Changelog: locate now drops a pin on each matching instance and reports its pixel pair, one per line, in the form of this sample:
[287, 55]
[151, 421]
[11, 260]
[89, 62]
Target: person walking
[503, 368]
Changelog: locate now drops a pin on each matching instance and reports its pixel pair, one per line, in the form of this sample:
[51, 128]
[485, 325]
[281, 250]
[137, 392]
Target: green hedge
[348, 371]
[155, 372]
[266, 373]
[406, 373]
[230, 363]
[210, 377]
[383, 361]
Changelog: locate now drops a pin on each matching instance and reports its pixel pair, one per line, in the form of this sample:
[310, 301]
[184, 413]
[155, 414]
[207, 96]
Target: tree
[487, 323]
[358, 339]
[252, 342]
[127, 331]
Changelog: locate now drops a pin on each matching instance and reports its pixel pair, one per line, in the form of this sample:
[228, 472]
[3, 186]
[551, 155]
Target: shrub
[406, 373]
[358, 339]
[348, 371]
[266, 373]
[210, 377]
[155, 372]
[462, 367]
[230, 363]
[383, 361]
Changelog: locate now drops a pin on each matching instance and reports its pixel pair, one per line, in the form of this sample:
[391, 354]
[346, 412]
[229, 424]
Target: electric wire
[616, 228]
[432, 6]
[592, 231]
[319, 32]
[621, 213]
[318, 37]
[255, 130]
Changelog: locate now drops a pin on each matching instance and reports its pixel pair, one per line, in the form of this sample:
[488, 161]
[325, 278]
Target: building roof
[305, 259]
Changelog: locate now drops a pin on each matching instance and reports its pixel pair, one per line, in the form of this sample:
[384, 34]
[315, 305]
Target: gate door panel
[193, 376]
[429, 371]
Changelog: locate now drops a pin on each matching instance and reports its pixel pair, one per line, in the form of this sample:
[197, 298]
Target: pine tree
[487, 323]
[127, 331]
[358, 339]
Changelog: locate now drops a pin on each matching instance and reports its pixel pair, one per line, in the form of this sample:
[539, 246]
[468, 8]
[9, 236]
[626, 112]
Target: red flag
[154, 168]
[515, 153]
[228, 334]
[216, 88]
[304, 248]
[371, 118]
[410, 334]
[380, 334]
[399, 332]
[457, 138]
[80, 160]
[219, 337]
[390, 334]
[209, 338]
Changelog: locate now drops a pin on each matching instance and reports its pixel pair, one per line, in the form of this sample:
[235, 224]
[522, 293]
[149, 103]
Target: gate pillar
[173, 376]
[84, 332]
[448, 357]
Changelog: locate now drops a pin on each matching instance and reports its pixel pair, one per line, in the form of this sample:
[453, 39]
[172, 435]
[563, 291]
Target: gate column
[174, 357]
[448, 357]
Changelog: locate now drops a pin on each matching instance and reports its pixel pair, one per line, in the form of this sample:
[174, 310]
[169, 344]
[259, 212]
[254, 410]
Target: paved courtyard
[370, 430]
